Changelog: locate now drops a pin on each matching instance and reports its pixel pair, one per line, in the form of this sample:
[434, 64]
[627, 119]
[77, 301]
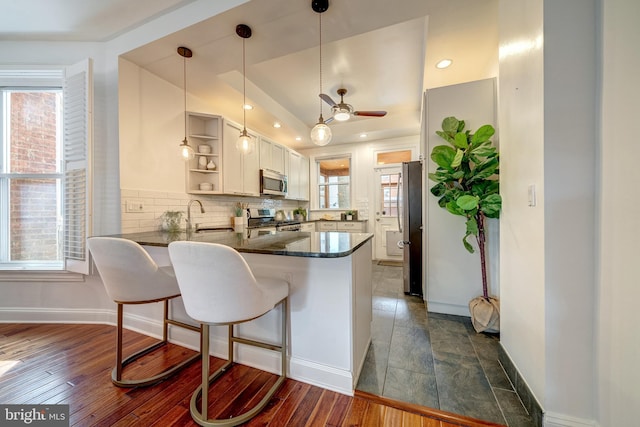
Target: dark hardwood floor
[71, 364]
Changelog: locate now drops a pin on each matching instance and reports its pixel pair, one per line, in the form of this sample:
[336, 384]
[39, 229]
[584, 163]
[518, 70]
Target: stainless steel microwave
[272, 183]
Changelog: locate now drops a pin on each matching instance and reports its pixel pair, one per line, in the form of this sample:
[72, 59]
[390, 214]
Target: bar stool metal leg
[201, 416]
[116, 373]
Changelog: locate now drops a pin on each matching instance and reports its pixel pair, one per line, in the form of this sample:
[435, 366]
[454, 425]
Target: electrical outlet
[135, 206]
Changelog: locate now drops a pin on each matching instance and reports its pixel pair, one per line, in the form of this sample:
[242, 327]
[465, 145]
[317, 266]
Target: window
[45, 135]
[334, 183]
[31, 182]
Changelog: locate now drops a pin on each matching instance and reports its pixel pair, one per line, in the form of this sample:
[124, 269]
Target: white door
[386, 213]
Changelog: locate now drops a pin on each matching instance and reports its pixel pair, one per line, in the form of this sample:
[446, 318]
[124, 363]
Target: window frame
[76, 82]
[318, 160]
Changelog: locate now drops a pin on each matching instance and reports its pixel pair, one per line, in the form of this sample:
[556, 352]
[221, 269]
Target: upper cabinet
[298, 176]
[241, 172]
[272, 156]
[204, 171]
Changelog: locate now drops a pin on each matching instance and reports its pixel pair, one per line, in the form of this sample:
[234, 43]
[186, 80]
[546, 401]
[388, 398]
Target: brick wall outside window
[33, 208]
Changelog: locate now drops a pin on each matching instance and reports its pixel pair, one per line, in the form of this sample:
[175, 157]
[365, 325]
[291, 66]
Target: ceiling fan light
[321, 134]
[245, 143]
[341, 116]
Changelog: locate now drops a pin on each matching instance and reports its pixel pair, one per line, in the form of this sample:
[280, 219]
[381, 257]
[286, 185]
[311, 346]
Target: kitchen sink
[213, 229]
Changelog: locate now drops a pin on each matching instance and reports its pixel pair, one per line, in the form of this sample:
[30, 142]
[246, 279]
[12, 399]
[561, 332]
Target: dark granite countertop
[289, 243]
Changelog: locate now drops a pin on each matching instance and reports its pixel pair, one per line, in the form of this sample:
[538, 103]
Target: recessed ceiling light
[363, 135]
[444, 63]
[298, 138]
[247, 107]
[277, 125]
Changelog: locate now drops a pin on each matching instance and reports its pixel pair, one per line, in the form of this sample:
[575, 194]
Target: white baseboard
[56, 315]
[445, 308]
[302, 370]
[560, 420]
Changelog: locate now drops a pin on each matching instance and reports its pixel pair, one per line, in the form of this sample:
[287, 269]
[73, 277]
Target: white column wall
[570, 193]
[548, 139]
[618, 338]
[521, 108]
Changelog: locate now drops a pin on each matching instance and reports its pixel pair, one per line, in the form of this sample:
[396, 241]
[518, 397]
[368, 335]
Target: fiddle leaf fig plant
[467, 180]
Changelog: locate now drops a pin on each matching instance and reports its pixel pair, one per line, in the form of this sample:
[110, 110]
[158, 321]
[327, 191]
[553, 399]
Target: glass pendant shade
[245, 143]
[186, 152]
[321, 134]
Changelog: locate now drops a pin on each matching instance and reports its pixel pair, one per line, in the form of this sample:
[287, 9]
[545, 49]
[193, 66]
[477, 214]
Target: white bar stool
[219, 288]
[130, 276]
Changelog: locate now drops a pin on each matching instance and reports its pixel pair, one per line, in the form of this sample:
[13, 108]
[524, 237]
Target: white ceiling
[382, 51]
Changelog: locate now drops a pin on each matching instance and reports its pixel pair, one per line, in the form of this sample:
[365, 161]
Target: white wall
[453, 276]
[521, 108]
[619, 340]
[548, 139]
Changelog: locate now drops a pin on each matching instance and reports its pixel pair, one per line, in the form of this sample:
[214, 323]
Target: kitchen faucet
[189, 212]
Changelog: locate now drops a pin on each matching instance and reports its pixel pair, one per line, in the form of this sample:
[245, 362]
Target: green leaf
[472, 226]
[467, 245]
[483, 134]
[454, 208]
[484, 151]
[467, 202]
[443, 155]
[460, 141]
[450, 125]
[457, 175]
[457, 159]
[491, 205]
[444, 136]
[438, 190]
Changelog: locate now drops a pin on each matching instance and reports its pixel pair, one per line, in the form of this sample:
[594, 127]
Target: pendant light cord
[320, 27]
[244, 90]
[184, 77]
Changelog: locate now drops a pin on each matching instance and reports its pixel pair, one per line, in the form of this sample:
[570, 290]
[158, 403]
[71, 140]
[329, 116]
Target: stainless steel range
[268, 220]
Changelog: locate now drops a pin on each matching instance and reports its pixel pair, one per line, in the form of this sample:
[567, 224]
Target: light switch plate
[532, 195]
[134, 206]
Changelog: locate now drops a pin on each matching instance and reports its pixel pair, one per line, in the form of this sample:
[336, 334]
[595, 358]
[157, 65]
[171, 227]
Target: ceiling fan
[342, 111]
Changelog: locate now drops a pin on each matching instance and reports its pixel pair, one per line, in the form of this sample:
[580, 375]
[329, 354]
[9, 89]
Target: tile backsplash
[141, 209]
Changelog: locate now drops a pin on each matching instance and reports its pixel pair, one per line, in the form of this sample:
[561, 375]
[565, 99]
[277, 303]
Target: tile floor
[435, 360]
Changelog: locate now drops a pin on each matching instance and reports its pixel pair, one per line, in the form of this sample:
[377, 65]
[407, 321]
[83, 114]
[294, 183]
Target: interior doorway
[386, 213]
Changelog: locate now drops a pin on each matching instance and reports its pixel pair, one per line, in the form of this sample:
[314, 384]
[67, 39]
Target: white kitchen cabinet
[351, 226]
[304, 178]
[308, 227]
[241, 172]
[272, 156]
[298, 176]
[204, 130]
[326, 226]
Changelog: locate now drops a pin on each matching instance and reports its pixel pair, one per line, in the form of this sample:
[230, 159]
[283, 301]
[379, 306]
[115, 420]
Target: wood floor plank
[319, 416]
[356, 413]
[71, 364]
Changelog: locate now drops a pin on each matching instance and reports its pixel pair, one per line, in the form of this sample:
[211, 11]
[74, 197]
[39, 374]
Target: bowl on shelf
[204, 149]
[206, 186]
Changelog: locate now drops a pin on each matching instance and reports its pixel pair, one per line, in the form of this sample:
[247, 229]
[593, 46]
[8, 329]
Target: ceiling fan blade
[329, 120]
[326, 98]
[370, 113]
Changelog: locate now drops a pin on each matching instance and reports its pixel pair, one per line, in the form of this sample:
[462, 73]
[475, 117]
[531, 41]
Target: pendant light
[245, 143]
[321, 133]
[186, 151]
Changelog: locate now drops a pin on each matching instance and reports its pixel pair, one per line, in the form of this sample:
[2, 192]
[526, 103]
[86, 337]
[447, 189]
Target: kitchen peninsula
[330, 299]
